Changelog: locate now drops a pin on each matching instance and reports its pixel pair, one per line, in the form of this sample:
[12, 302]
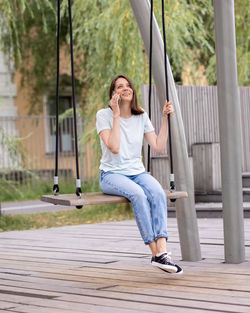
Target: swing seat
[95, 198]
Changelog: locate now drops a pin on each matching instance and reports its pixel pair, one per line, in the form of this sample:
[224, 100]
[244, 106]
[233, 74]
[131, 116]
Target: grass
[11, 191]
[87, 215]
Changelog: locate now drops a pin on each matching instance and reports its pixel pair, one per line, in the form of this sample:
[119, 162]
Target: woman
[121, 128]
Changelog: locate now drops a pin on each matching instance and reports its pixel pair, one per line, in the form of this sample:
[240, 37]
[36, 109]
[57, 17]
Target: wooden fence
[199, 108]
[33, 137]
[200, 117]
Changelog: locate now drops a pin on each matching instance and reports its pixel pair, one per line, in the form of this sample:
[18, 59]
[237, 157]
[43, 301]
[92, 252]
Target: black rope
[78, 183]
[172, 183]
[56, 185]
[150, 73]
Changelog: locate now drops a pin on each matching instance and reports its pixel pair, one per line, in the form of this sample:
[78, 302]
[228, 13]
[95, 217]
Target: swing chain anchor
[78, 188]
[56, 186]
[78, 192]
[172, 185]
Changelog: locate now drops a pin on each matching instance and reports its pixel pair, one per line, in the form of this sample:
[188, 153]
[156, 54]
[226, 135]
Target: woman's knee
[158, 193]
[139, 195]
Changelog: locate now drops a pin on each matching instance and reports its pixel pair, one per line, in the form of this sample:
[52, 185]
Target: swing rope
[172, 182]
[78, 181]
[150, 74]
[56, 182]
[98, 197]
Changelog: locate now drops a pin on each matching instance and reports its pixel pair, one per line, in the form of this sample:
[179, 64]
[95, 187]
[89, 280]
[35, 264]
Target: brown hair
[135, 108]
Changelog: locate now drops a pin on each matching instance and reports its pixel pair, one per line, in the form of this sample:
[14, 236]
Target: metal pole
[185, 208]
[81, 149]
[230, 131]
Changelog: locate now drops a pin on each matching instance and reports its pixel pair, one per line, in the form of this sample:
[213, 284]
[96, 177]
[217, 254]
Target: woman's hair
[135, 109]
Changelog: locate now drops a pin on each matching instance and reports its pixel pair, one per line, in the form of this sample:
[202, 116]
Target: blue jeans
[148, 200]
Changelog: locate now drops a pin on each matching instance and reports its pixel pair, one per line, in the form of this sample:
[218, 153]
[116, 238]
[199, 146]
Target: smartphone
[119, 100]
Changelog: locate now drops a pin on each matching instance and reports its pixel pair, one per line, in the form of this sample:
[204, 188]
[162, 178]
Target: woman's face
[123, 88]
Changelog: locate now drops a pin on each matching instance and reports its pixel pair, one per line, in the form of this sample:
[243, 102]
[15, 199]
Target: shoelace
[167, 256]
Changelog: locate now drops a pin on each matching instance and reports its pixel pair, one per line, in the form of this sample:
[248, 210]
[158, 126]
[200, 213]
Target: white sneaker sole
[177, 273]
[168, 268]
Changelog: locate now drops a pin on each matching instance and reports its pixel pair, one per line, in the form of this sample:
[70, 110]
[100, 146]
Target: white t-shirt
[129, 159]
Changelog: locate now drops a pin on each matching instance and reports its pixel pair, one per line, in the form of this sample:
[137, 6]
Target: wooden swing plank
[94, 198]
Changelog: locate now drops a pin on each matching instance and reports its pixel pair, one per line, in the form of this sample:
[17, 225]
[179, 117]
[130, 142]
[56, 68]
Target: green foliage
[14, 191]
[9, 190]
[28, 38]
[187, 38]
[33, 189]
[107, 42]
[11, 223]
[13, 146]
[242, 15]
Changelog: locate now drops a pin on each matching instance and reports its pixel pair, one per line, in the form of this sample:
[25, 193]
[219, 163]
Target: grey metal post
[185, 208]
[230, 131]
[81, 148]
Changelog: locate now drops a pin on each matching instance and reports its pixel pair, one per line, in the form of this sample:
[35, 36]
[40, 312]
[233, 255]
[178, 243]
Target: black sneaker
[165, 263]
[179, 269]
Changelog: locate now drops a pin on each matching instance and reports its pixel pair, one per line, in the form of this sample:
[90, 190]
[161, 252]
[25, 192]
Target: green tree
[107, 42]
[242, 14]
[208, 58]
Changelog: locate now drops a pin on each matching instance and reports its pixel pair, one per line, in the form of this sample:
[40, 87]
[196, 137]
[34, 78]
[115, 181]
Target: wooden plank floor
[106, 268]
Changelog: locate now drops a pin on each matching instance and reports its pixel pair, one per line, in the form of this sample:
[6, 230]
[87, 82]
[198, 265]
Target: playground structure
[228, 98]
[230, 133]
[230, 141]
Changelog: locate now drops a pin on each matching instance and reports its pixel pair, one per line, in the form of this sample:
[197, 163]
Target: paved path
[106, 268]
[32, 206]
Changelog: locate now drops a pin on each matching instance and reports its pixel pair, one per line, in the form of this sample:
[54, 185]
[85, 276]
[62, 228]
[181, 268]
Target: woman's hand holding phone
[114, 104]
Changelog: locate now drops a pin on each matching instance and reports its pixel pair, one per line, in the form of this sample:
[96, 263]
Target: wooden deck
[106, 268]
